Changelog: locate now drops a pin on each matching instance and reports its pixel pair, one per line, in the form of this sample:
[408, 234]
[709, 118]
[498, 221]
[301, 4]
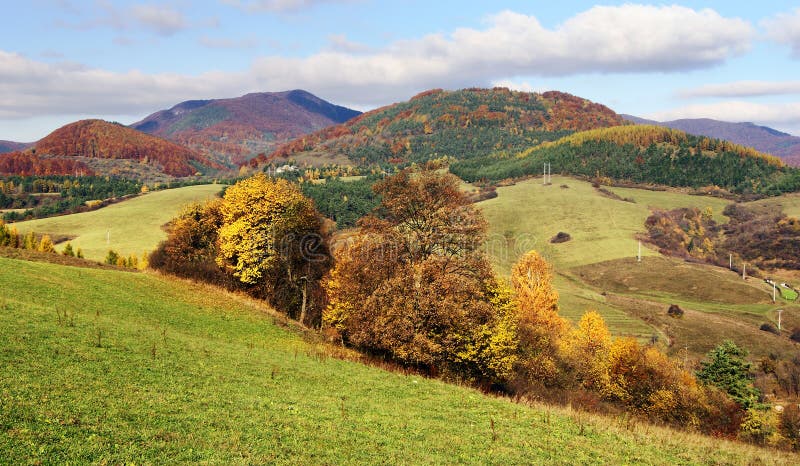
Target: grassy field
[132, 226]
[600, 257]
[108, 367]
[789, 203]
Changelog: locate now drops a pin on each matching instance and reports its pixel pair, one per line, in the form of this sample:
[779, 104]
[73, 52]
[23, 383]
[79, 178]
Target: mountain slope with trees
[440, 124]
[643, 154]
[233, 130]
[74, 148]
[762, 138]
[11, 146]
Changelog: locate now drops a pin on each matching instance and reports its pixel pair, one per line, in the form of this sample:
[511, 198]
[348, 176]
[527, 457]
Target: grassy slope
[525, 216]
[185, 374]
[789, 203]
[134, 225]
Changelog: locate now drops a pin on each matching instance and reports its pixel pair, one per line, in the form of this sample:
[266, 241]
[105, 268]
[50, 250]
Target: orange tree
[413, 285]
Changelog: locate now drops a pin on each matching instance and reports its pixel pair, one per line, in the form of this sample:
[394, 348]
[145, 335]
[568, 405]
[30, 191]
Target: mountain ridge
[763, 138]
[232, 130]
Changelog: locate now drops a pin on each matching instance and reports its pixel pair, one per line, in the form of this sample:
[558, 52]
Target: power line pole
[639, 255]
[544, 175]
[774, 291]
[730, 261]
[744, 271]
[549, 173]
[780, 311]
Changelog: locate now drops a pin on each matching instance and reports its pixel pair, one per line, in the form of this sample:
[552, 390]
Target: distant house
[286, 169]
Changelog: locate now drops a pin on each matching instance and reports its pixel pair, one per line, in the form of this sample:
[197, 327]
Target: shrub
[675, 311]
[767, 327]
[561, 237]
[795, 334]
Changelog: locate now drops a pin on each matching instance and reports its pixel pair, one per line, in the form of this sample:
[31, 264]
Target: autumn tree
[540, 326]
[46, 245]
[414, 286]
[273, 241]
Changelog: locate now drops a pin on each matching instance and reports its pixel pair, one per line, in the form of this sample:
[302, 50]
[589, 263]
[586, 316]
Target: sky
[65, 60]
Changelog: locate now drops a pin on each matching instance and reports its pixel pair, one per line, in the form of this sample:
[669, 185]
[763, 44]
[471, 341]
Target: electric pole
[730, 261]
[744, 271]
[780, 311]
[639, 255]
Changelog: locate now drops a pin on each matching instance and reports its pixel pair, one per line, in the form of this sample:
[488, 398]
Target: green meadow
[107, 367]
[129, 227]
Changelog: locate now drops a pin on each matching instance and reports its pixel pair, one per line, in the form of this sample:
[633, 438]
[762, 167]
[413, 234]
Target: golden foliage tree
[540, 326]
[413, 285]
[272, 239]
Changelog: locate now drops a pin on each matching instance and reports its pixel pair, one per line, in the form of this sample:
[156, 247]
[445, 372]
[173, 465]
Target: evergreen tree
[727, 369]
[68, 251]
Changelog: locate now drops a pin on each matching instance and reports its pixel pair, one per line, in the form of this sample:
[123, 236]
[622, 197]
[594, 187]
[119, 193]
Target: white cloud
[280, 6]
[784, 28]
[225, 43]
[163, 20]
[743, 89]
[340, 43]
[785, 116]
[628, 38]
[522, 86]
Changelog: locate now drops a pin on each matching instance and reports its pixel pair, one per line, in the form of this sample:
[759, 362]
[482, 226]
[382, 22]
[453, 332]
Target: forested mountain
[233, 130]
[74, 147]
[643, 154]
[763, 138]
[11, 146]
[456, 124]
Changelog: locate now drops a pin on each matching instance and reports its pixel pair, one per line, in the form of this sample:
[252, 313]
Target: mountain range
[230, 131]
[763, 138]
[11, 146]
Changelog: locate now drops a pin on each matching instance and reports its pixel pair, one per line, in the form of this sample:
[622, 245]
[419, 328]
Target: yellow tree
[272, 239]
[46, 244]
[540, 326]
[586, 348]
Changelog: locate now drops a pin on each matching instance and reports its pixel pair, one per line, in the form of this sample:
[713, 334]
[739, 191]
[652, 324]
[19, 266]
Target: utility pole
[549, 173]
[544, 175]
[639, 255]
[744, 271]
[730, 261]
[774, 291]
[780, 311]
[108, 236]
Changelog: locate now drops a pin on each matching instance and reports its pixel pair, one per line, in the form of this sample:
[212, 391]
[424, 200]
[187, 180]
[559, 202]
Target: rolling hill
[454, 124]
[643, 154]
[762, 138]
[110, 367]
[233, 130]
[11, 146]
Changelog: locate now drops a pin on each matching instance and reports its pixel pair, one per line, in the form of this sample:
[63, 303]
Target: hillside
[97, 140]
[129, 227]
[597, 268]
[762, 138]
[643, 154]
[233, 130]
[11, 146]
[456, 124]
[111, 367]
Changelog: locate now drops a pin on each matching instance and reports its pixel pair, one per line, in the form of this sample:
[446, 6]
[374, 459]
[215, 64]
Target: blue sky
[63, 60]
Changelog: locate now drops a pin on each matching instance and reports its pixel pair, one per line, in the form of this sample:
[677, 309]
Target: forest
[647, 155]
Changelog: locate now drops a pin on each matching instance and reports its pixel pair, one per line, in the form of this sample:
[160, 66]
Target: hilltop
[762, 138]
[454, 124]
[97, 146]
[233, 130]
